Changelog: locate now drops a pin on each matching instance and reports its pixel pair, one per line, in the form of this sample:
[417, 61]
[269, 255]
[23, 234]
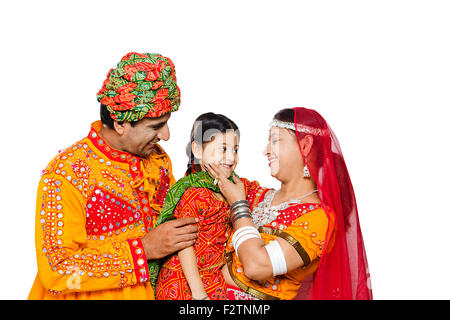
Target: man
[99, 199]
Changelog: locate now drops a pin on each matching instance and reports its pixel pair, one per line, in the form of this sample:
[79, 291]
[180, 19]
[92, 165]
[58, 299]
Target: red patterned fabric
[234, 293]
[304, 222]
[142, 85]
[214, 230]
[343, 271]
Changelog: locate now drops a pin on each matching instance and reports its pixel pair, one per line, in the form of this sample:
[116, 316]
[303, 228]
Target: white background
[378, 71]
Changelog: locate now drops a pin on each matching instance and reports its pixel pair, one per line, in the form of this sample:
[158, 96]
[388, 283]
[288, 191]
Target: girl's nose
[229, 156]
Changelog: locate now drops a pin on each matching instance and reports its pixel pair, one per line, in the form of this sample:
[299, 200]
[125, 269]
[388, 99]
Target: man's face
[140, 139]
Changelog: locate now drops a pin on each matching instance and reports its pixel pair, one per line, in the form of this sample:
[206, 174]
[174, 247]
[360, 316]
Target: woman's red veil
[343, 272]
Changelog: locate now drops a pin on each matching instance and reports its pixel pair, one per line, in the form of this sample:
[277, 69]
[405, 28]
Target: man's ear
[196, 150]
[121, 127]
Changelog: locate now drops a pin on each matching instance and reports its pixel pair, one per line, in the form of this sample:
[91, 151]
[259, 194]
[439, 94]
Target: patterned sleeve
[193, 202]
[255, 193]
[65, 262]
[307, 234]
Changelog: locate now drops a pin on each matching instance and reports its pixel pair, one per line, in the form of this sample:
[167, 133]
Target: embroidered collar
[117, 155]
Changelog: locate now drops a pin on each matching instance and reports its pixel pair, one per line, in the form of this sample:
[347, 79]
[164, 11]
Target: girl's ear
[196, 150]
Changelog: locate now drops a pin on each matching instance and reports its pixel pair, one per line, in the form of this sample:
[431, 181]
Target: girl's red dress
[214, 230]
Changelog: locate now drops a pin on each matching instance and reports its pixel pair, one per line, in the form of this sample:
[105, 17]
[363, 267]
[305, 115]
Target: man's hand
[169, 237]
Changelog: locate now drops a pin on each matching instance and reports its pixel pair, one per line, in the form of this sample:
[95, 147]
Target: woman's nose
[266, 150]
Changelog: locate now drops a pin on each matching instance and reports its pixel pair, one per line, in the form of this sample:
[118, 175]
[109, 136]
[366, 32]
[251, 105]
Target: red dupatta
[343, 271]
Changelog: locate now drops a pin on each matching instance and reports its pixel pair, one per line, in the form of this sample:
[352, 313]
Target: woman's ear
[306, 145]
[196, 150]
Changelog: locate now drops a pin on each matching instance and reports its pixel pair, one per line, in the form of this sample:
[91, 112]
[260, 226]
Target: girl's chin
[226, 170]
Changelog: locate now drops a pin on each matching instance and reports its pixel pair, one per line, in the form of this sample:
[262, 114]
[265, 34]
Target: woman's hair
[314, 120]
[203, 131]
[286, 115]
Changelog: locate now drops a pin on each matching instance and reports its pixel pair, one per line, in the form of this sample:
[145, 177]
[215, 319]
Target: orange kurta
[94, 205]
[305, 226]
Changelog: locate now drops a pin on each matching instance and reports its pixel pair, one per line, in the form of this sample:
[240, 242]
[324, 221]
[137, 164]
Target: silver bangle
[239, 203]
[240, 216]
[240, 210]
[240, 207]
[239, 213]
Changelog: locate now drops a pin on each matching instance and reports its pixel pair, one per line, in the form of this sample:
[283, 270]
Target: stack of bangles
[241, 209]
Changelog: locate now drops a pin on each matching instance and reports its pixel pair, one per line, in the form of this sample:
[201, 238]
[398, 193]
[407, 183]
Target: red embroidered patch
[291, 213]
[106, 212]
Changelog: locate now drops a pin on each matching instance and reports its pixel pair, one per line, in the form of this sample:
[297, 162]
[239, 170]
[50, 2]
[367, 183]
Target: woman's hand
[232, 191]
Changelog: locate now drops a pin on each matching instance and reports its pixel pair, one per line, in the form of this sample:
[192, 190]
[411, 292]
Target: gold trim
[290, 239]
[220, 264]
[243, 286]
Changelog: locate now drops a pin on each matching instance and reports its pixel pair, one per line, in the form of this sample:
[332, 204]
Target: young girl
[194, 273]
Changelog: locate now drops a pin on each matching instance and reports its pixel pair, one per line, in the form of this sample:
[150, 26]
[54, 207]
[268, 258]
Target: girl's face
[283, 154]
[222, 151]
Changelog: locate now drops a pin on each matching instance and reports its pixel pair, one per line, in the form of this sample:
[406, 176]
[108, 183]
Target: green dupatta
[196, 180]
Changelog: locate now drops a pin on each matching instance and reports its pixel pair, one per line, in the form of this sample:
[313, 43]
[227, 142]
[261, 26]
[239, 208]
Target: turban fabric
[142, 85]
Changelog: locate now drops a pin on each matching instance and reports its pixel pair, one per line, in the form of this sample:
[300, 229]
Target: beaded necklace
[265, 213]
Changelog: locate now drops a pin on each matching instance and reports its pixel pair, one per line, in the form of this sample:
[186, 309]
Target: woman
[308, 244]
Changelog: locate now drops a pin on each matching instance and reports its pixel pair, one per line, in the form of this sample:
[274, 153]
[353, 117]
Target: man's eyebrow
[158, 125]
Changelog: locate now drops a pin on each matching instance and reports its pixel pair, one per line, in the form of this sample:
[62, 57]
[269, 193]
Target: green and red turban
[142, 85]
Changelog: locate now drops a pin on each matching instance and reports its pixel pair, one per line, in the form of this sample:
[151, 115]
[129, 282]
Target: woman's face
[222, 151]
[283, 154]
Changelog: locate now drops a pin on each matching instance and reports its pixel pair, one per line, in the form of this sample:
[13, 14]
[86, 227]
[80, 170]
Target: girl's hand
[231, 191]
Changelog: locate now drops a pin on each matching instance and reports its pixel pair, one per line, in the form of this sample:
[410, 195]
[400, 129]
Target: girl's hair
[203, 131]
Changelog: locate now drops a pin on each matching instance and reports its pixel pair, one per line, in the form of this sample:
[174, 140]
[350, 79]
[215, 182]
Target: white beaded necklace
[265, 213]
